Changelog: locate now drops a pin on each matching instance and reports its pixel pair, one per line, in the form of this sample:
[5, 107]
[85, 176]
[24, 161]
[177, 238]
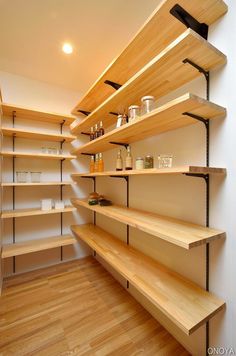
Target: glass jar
[35, 177]
[21, 177]
[119, 120]
[133, 112]
[44, 150]
[147, 104]
[165, 161]
[139, 163]
[148, 162]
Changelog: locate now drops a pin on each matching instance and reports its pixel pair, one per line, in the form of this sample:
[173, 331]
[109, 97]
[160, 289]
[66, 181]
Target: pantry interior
[137, 173]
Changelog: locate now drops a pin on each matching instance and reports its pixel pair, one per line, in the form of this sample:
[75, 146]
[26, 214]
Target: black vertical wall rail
[207, 77]
[13, 194]
[61, 186]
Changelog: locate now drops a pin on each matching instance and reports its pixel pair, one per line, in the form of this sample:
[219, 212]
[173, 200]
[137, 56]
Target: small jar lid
[133, 107]
[148, 156]
[21, 172]
[147, 97]
[120, 116]
[139, 158]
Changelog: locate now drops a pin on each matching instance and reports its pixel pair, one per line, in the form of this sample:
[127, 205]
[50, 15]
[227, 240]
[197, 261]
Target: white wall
[181, 196]
[42, 96]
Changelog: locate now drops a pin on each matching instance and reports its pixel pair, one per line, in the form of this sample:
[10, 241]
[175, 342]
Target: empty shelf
[15, 184]
[158, 31]
[32, 212]
[36, 155]
[25, 247]
[163, 74]
[175, 231]
[34, 135]
[186, 304]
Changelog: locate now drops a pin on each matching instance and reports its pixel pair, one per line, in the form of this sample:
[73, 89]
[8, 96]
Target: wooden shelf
[14, 184]
[154, 171]
[186, 304]
[36, 155]
[159, 30]
[18, 213]
[175, 231]
[34, 135]
[25, 247]
[159, 77]
[35, 115]
[165, 118]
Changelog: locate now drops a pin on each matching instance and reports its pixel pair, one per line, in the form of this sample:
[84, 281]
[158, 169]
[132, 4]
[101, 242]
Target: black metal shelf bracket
[114, 85]
[87, 154]
[119, 144]
[189, 21]
[84, 112]
[113, 113]
[85, 133]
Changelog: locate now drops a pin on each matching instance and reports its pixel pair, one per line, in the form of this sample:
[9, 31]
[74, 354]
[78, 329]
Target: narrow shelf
[25, 247]
[36, 155]
[186, 304]
[154, 171]
[175, 231]
[15, 184]
[35, 115]
[165, 118]
[18, 213]
[160, 76]
[158, 31]
[34, 135]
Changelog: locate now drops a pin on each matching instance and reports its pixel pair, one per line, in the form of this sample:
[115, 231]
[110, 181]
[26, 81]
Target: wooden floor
[77, 308]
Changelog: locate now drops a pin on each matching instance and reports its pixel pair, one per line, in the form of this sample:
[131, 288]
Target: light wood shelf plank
[15, 184]
[160, 29]
[155, 171]
[163, 74]
[22, 248]
[35, 115]
[18, 213]
[165, 118]
[36, 155]
[34, 135]
[186, 304]
[181, 233]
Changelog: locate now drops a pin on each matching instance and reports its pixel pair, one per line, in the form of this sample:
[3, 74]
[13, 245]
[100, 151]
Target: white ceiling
[32, 33]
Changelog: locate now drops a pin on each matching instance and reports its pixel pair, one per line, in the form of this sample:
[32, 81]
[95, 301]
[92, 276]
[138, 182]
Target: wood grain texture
[36, 135]
[22, 248]
[158, 31]
[77, 308]
[15, 184]
[36, 155]
[18, 213]
[175, 231]
[165, 118]
[186, 304]
[163, 74]
[35, 115]
[154, 171]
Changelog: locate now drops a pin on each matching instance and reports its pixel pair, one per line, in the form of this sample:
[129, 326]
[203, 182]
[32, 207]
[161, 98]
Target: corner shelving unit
[14, 112]
[173, 56]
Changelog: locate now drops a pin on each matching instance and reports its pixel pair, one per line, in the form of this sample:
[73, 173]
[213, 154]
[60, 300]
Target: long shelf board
[15, 184]
[165, 118]
[34, 135]
[160, 76]
[36, 155]
[186, 304]
[154, 171]
[35, 115]
[160, 29]
[18, 213]
[25, 247]
[175, 231]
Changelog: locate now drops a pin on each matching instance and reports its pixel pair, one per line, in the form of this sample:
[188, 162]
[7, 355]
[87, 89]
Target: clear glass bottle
[92, 164]
[96, 162]
[128, 159]
[119, 162]
[100, 163]
[133, 112]
[148, 104]
[101, 129]
[96, 131]
[91, 134]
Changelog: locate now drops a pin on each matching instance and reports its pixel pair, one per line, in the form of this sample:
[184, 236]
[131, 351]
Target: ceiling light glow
[67, 48]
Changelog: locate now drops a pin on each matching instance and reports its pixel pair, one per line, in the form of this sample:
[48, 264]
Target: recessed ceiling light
[67, 48]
